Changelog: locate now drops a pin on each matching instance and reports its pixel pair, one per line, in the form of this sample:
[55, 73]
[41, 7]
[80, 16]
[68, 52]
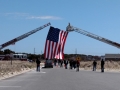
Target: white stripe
[65, 36]
[57, 45]
[54, 49]
[50, 52]
[62, 36]
[57, 55]
[9, 86]
[62, 39]
[61, 45]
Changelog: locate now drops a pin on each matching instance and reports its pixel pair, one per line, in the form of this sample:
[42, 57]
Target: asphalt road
[62, 79]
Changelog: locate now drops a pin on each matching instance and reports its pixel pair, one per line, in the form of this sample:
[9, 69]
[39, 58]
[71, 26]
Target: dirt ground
[109, 65]
[18, 67]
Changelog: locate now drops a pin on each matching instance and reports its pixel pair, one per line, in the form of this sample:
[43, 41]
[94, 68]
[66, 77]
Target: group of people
[72, 64]
[75, 64]
[95, 65]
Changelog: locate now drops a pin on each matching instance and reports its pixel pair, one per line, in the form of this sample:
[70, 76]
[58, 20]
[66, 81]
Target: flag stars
[53, 34]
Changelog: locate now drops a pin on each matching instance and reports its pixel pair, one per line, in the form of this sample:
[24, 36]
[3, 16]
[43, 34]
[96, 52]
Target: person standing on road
[71, 64]
[38, 65]
[94, 65]
[61, 63]
[74, 64]
[102, 65]
[65, 63]
[55, 61]
[77, 65]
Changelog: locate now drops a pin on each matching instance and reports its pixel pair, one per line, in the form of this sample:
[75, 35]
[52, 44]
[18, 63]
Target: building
[112, 56]
[19, 56]
[22, 57]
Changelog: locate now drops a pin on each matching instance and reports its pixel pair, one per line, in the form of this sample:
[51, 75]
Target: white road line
[42, 72]
[10, 86]
[37, 72]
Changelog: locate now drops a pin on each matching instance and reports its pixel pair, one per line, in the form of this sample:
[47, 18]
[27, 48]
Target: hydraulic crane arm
[23, 36]
[71, 28]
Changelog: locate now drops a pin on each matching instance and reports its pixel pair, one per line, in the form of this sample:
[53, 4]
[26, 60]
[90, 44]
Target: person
[61, 63]
[65, 63]
[71, 64]
[77, 65]
[55, 61]
[74, 64]
[94, 65]
[38, 65]
[102, 65]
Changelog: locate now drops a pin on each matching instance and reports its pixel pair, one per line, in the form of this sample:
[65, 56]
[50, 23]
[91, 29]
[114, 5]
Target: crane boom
[23, 36]
[71, 28]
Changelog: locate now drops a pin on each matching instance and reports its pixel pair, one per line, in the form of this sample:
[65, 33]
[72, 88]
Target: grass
[109, 65]
[17, 66]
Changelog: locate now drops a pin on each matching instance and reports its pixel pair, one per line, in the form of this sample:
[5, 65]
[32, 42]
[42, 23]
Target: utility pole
[76, 52]
[34, 51]
[41, 55]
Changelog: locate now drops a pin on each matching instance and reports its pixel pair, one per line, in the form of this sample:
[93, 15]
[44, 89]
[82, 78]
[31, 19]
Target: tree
[8, 51]
[1, 52]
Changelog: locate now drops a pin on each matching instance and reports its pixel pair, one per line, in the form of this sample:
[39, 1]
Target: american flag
[54, 46]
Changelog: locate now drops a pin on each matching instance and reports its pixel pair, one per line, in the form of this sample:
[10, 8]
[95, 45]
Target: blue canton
[53, 34]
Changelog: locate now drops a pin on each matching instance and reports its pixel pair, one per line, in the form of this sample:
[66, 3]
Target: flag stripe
[65, 36]
[45, 49]
[54, 46]
[64, 41]
[50, 49]
[62, 33]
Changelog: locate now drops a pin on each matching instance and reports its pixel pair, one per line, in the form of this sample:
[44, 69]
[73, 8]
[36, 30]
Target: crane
[23, 36]
[70, 28]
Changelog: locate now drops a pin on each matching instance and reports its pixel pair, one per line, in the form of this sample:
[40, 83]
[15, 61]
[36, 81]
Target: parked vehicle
[48, 64]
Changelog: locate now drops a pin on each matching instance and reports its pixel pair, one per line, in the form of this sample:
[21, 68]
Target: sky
[100, 17]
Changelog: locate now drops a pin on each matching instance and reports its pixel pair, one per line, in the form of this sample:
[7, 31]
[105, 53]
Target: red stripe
[55, 49]
[52, 50]
[59, 51]
[66, 33]
[61, 39]
[45, 49]
[48, 49]
[60, 54]
[62, 44]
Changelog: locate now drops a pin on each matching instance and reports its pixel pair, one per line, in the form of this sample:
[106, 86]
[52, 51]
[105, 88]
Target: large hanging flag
[54, 46]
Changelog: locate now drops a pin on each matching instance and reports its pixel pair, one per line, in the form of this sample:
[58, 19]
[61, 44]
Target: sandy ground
[17, 73]
[105, 70]
[42, 65]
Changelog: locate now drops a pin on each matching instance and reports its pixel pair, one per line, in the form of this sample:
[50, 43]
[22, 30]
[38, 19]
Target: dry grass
[109, 65]
[17, 66]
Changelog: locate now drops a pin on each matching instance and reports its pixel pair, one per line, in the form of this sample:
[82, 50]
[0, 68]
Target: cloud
[15, 14]
[28, 16]
[44, 17]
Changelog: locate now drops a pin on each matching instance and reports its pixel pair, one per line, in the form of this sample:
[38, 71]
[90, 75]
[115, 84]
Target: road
[62, 79]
